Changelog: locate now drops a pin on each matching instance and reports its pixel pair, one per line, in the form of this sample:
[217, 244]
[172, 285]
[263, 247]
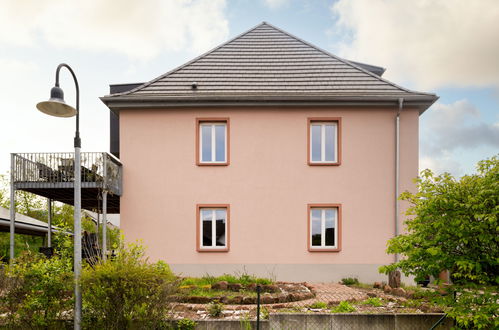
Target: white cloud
[274, 4]
[428, 43]
[441, 164]
[454, 131]
[139, 29]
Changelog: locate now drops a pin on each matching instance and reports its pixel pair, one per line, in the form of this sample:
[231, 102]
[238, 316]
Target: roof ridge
[345, 61]
[189, 62]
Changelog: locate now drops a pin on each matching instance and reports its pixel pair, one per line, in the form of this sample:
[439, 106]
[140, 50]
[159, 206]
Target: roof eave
[421, 102]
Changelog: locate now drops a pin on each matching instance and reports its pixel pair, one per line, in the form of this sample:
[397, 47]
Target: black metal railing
[58, 167]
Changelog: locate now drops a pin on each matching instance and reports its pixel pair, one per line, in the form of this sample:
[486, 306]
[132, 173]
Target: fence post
[258, 289]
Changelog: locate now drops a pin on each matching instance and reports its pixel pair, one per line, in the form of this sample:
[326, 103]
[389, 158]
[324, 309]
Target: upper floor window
[324, 227]
[212, 141]
[324, 141]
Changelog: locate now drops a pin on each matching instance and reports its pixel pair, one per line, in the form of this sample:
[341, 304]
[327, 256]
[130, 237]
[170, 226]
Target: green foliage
[243, 279]
[215, 308]
[349, 281]
[128, 289]
[36, 291]
[343, 307]
[453, 226]
[373, 301]
[476, 309]
[264, 313]
[186, 324]
[318, 305]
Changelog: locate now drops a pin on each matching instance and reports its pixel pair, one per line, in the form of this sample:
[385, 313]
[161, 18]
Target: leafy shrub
[127, 289]
[343, 307]
[215, 308]
[36, 291]
[319, 305]
[186, 324]
[453, 226]
[373, 301]
[349, 281]
[475, 308]
[264, 313]
[243, 279]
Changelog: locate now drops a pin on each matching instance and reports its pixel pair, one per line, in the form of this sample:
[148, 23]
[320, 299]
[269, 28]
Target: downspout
[397, 169]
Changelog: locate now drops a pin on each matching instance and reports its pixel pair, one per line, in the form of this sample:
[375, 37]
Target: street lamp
[58, 108]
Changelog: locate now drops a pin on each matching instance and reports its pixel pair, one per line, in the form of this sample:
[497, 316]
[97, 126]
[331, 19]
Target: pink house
[267, 155]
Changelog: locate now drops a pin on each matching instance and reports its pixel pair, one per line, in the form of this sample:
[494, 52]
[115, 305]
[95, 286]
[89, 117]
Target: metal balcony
[51, 175]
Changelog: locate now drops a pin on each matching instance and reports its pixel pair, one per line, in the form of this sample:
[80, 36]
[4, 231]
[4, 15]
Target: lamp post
[58, 108]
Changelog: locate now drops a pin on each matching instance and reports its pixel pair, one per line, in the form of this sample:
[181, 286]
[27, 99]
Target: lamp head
[56, 105]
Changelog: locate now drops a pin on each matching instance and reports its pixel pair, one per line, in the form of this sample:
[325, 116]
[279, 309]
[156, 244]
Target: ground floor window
[324, 221]
[213, 227]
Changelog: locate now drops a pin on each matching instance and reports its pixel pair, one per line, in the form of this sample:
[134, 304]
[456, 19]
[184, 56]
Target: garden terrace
[51, 175]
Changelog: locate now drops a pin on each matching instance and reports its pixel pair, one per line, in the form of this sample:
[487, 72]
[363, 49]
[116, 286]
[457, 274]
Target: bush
[127, 290]
[349, 281]
[373, 301]
[452, 226]
[318, 305]
[343, 307]
[186, 324]
[36, 291]
[475, 308]
[215, 308]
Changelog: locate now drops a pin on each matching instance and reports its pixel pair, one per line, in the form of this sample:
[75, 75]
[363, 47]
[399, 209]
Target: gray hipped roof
[267, 66]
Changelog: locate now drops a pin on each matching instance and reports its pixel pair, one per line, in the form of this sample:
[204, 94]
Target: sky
[448, 47]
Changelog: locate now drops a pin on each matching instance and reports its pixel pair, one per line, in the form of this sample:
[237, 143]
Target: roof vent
[194, 85]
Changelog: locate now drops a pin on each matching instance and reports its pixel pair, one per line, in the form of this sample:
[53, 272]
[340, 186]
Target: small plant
[264, 313]
[349, 281]
[245, 322]
[186, 324]
[343, 307]
[373, 301]
[215, 308]
[318, 305]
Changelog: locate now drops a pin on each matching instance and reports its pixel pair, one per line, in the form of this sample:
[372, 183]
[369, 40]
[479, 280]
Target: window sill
[212, 164]
[324, 164]
[213, 250]
[324, 250]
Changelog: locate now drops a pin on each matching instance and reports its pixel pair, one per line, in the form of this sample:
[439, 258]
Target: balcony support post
[49, 223]
[12, 208]
[104, 224]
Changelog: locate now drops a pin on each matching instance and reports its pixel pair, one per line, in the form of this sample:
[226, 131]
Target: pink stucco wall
[268, 184]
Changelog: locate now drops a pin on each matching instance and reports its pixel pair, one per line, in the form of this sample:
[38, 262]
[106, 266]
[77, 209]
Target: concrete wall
[268, 185]
[333, 321]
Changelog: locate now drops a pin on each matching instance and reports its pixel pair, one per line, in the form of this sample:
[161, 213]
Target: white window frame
[213, 142]
[323, 228]
[214, 245]
[323, 125]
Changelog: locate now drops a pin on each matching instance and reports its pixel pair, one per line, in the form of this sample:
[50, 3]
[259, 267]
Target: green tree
[36, 207]
[453, 226]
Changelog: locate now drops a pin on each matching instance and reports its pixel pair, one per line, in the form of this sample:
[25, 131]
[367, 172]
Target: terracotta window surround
[338, 243]
[199, 248]
[200, 121]
[337, 120]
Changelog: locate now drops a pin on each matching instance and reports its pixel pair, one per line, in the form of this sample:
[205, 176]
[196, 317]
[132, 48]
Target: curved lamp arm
[77, 140]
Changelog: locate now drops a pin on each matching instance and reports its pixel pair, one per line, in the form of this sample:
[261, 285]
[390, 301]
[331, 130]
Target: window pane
[330, 226]
[330, 142]
[220, 143]
[316, 227]
[220, 227]
[206, 216]
[316, 143]
[206, 143]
